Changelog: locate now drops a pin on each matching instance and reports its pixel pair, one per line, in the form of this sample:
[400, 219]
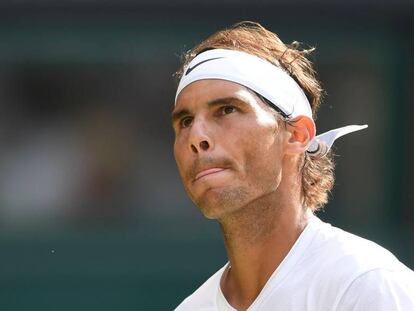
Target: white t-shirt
[327, 269]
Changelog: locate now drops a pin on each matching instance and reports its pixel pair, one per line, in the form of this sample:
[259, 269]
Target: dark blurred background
[93, 215]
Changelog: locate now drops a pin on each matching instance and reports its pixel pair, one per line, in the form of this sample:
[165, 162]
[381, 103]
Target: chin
[212, 214]
[216, 203]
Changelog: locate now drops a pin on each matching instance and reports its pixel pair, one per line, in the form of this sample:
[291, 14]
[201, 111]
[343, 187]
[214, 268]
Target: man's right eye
[186, 122]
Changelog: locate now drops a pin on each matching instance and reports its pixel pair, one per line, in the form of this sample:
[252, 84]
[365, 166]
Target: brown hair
[317, 172]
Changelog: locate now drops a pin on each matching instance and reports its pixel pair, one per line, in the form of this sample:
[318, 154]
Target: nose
[200, 138]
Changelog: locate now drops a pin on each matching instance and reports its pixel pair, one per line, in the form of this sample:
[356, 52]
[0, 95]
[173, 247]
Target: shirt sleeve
[380, 290]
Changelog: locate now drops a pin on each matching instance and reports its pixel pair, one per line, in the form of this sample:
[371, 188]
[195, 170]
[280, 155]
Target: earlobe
[302, 130]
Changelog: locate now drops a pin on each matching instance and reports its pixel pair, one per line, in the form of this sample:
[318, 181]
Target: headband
[268, 80]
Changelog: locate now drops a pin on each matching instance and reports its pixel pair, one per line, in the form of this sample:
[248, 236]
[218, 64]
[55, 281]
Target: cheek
[262, 156]
[179, 156]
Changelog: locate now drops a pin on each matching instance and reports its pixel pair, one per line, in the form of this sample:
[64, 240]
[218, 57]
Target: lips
[208, 172]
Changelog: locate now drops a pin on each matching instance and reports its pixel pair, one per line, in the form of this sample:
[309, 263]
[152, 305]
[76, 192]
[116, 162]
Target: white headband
[268, 80]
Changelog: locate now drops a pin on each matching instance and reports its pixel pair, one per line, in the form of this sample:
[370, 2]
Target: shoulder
[349, 252]
[204, 298]
[380, 290]
[358, 272]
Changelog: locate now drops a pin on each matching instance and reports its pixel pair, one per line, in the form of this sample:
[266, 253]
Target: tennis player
[248, 155]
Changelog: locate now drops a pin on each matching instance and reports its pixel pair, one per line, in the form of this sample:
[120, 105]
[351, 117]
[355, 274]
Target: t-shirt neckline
[290, 260]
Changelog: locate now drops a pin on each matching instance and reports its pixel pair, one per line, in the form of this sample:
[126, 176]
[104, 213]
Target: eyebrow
[176, 115]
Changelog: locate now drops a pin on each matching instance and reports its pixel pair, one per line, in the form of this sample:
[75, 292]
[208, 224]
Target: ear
[302, 130]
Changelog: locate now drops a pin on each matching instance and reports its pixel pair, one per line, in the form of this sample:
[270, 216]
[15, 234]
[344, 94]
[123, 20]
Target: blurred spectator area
[92, 210]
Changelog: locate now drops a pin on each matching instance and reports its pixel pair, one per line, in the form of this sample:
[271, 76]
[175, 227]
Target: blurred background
[93, 215]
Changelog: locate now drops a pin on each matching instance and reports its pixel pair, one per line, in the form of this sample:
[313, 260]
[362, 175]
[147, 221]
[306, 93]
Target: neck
[257, 238]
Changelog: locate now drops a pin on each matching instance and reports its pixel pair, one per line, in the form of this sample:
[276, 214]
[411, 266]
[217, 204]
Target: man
[246, 151]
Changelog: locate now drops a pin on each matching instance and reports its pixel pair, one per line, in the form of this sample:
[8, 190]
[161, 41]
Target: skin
[239, 165]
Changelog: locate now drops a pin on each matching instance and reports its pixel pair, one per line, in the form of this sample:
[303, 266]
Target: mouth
[207, 172]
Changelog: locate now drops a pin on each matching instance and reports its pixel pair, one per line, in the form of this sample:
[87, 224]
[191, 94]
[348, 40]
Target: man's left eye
[228, 109]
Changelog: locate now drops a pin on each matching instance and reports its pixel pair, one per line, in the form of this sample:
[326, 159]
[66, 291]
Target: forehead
[204, 91]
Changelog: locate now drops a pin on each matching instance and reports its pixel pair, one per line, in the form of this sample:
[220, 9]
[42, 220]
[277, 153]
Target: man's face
[228, 146]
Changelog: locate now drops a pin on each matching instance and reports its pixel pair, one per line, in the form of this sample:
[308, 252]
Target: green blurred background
[93, 215]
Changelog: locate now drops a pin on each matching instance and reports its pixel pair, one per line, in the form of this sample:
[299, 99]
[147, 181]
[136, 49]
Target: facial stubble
[216, 203]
